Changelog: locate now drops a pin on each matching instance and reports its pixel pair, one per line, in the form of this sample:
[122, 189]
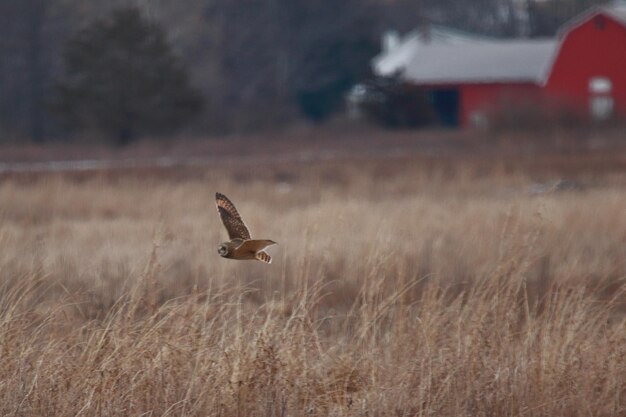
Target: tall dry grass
[396, 290]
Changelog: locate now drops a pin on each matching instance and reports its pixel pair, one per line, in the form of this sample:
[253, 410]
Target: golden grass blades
[454, 295]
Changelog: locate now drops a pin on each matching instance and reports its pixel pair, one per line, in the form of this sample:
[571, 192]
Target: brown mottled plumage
[240, 246]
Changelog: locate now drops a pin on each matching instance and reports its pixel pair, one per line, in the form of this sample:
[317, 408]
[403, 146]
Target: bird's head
[222, 249]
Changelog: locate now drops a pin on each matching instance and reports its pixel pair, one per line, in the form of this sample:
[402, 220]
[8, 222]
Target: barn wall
[482, 100]
[594, 48]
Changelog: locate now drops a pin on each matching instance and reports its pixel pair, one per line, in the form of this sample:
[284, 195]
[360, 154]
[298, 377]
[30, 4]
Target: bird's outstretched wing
[255, 245]
[231, 219]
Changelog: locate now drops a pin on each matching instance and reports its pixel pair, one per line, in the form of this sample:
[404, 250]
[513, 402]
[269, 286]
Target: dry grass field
[400, 287]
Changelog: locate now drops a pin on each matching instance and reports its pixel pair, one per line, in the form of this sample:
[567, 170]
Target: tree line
[126, 68]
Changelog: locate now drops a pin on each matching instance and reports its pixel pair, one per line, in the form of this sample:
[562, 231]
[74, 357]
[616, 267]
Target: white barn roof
[617, 11]
[481, 62]
[388, 63]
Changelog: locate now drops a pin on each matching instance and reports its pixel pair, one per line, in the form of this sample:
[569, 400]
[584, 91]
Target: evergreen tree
[122, 78]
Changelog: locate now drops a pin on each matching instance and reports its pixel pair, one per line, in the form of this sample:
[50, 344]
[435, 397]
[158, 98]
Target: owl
[240, 246]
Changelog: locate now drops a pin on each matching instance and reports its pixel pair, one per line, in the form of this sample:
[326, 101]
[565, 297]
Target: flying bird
[240, 246]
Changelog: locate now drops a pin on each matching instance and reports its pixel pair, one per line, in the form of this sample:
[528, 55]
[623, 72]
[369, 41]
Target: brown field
[420, 285]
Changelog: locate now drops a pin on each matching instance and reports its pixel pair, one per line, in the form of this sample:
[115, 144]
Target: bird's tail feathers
[263, 257]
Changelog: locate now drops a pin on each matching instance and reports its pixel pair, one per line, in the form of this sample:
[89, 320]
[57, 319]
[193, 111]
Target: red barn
[469, 79]
[589, 69]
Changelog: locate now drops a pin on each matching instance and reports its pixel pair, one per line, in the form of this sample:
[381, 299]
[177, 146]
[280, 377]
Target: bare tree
[547, 17]
[24, 71]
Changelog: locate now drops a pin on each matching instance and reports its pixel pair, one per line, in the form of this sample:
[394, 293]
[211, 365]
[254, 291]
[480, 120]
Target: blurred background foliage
[122, 78]
[253, 64]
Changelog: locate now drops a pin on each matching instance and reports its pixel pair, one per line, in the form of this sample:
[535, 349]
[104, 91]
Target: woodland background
[256, 64]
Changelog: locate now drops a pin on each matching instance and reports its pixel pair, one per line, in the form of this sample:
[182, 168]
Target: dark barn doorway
[445, 103]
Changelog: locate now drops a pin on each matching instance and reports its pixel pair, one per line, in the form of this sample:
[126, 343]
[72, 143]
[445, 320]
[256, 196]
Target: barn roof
[617, 11]
[391, 62]
[481, 62]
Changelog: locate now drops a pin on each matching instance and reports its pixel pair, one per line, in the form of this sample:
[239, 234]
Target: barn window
[600, 98]
[599, 22]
